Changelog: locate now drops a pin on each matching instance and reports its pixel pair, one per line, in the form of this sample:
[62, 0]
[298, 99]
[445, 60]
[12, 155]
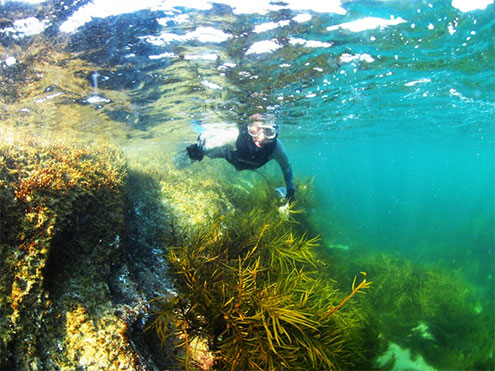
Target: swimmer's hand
[195, 152]
[290, 195]
[284, 194]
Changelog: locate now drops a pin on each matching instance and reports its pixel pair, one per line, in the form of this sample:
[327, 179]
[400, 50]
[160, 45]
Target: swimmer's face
[262, 133]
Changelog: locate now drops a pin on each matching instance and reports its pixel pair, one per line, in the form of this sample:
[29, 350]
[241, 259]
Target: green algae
[250, 294]
[427, 308]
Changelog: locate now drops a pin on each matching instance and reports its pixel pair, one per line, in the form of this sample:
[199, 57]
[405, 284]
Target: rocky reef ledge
[74, 287]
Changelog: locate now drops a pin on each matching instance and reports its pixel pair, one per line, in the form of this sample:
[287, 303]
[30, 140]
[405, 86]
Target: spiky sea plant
[249, 284]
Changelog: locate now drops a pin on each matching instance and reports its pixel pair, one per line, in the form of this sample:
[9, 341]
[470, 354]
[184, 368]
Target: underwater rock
[68, 294]
[402, 359]
[197, 196]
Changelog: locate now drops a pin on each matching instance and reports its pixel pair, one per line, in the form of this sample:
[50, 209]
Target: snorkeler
[248, 147]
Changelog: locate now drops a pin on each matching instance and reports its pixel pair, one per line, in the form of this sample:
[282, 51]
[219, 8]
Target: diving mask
[269, 131]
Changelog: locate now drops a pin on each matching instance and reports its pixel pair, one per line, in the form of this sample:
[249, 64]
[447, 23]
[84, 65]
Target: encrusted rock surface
[75, 275]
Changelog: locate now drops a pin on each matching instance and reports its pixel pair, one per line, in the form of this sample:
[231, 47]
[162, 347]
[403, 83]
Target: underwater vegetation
[252, 287]
[200, 194]
[253, 290]
[61, 216]
[429, 309]
[195, 197]
[250, 293]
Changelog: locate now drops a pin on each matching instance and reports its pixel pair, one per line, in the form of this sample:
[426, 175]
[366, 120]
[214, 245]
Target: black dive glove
[290, 195]
[195, 152]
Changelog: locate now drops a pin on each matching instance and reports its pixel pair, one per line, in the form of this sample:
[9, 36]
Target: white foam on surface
[107, 8]
[470, 5]
[265, 46]
[26, 27]
[367, 23]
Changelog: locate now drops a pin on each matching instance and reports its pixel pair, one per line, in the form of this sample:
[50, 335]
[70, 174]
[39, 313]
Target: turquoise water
[428, 200]
[389, 105]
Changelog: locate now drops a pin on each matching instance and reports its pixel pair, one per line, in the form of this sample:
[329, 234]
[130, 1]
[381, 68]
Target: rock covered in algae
[198, 196]
[62, 218]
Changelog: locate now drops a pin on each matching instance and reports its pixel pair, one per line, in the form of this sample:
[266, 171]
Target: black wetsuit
[247, 154]
[239, 149]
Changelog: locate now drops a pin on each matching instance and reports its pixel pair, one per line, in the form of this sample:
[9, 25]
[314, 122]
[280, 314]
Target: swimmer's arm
[280, 155]
[214, 142]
